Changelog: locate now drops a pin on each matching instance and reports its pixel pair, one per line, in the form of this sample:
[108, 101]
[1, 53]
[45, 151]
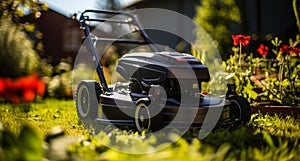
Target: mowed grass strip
[42, 116]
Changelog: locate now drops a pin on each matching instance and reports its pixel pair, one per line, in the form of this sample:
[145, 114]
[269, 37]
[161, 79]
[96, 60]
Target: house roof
[78, 5]
[59, 10]
[132, 3]
[69, 7]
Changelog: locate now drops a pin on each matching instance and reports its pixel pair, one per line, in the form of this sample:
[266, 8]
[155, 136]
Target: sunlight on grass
[264, 138]
[42, 116]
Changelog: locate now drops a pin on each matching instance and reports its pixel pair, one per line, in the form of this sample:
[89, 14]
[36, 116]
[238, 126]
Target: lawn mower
[158, 85]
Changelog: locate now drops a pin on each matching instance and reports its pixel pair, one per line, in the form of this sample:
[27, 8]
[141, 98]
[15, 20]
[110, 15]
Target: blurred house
[184, 7]
[264, 18]
[61, 35]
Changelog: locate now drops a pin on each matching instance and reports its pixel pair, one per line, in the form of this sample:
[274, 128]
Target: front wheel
[87, 97]
[240, 111]
[142, 117]
[147, 117]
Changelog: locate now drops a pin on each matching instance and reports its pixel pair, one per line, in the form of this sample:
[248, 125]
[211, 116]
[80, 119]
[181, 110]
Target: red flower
[285, 49]
[240, 39]
[289, 50]
[23, 89]
[28, 82]
[15, 98]
[263, 50]
[40, 88]
[9, 85]
[295, 51]
[28, 95]
[2, 87]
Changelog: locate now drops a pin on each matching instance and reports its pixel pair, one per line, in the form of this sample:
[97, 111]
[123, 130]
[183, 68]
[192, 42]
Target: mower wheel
[87, 100]
[240, 110]
[146, 118]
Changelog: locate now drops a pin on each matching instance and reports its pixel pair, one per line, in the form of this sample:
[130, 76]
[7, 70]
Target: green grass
[42, 116]
[264, 138]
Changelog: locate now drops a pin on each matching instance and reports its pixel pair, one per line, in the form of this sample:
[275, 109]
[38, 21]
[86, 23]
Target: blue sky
[68, 7]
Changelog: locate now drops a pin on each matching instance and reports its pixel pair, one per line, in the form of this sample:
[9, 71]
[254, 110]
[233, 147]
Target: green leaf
[268, 139]
[30, 27]
[44, 7]
[20, 12]
[249, 90]
[222, 151]
[273, 42]
[230, 76]
[10, 149]
[274, 51]
[30, 144]
[271, 97]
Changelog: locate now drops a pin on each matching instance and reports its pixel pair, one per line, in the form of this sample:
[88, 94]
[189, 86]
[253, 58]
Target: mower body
[159, 86]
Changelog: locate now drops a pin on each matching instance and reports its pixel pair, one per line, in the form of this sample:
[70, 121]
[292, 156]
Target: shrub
[217, 18]
[60, 84]
[264, 80]
[17, 58]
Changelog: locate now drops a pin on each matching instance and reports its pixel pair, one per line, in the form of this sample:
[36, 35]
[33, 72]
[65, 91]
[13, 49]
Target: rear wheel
[87, 101]
[240, 110]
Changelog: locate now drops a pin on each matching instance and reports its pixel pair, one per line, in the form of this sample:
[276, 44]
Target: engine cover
[155, 68]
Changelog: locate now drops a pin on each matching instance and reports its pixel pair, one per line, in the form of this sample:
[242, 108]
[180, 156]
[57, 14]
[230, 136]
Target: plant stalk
[296, 14]
[240, 58]
[280, 77]
[240, 64]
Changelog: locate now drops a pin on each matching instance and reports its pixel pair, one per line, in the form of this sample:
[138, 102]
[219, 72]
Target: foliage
[276, 125]
[267, 80]
[296, 13]
[285, 88]
[27, 146]
[109, 4]
[180, 150]
[60, 81]
[240, 68]
[15, 9]
[17, 58]
[61, 77]
[24, 13]
[217, 19]
[265, 138]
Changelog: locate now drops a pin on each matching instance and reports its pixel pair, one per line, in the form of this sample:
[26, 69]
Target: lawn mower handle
[90, 41]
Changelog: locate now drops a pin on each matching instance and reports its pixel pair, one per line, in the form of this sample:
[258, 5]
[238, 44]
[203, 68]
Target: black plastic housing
[144, 69]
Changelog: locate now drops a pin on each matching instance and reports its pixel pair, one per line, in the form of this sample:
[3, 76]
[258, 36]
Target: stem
[240, 58]
[240, 64]
[296, 14]
[292, 82]
[268, 67]
[280, 78]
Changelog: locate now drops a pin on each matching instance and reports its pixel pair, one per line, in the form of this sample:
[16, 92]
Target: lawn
[42, 116]
[26, 127]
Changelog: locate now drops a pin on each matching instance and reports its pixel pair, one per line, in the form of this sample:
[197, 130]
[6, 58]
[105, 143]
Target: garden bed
[276, 109]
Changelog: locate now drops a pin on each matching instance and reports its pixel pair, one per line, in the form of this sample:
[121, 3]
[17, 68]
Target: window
[71, 39]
